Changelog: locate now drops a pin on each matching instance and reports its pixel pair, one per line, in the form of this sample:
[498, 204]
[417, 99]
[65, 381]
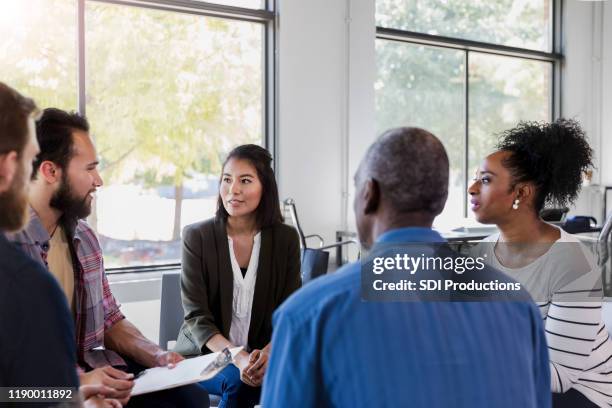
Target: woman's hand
[243, 362]
[258, 363]
[168, 359]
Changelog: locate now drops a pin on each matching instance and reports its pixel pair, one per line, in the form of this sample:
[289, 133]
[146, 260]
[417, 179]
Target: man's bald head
[402, 182]
[411, 168]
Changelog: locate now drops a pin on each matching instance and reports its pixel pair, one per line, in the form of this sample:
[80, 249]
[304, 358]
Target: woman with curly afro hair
[538, 164]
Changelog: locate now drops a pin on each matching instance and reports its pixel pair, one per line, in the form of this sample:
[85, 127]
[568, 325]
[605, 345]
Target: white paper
[188, 371]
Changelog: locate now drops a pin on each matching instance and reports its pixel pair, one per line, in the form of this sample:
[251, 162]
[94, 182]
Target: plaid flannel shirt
[95, 308]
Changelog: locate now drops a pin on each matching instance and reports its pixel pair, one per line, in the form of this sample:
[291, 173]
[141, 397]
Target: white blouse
[244, 290]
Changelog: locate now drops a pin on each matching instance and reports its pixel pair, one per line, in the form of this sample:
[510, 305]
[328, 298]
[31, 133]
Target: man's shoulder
[340, 286]
[21, 271]
[32, 306]
[86, 234]
[19, 237]
[31, 233]
[82, 227]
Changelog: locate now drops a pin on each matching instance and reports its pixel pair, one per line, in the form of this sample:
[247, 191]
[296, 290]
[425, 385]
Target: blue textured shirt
[331, 349]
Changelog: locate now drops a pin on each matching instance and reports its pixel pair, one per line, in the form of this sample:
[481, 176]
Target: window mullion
[466, 127]
[80, 40]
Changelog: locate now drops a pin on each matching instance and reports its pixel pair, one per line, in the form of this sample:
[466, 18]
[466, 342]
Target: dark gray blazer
[207, 283]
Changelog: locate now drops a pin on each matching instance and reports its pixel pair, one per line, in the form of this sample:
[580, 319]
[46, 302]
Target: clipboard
[186, 372]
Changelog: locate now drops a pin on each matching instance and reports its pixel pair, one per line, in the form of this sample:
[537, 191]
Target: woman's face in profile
[491, 193]
[240, 188]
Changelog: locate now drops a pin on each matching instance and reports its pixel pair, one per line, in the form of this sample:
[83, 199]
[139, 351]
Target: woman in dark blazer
[238, 267]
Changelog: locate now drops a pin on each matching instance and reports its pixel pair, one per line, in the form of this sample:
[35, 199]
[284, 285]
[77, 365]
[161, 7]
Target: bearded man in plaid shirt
[109, 348]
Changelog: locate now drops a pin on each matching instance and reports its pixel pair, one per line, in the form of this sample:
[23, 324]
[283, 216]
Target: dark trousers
[572, 399]
[234, 393]
[188, 396]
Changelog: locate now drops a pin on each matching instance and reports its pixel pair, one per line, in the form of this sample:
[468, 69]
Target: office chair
[554, 214]
[314, 261]
[171, 308]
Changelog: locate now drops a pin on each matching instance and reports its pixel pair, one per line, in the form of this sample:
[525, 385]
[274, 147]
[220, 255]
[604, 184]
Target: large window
[518, 23]
[168, 92]
[40, 63]
[465, 71]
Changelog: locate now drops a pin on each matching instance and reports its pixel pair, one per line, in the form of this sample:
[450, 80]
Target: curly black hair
[551, 155]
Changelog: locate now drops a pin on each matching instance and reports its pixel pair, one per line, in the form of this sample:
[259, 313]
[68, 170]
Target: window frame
[266, 16]
[555, 58]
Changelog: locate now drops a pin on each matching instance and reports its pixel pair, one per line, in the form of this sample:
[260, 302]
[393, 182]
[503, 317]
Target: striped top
[566, 284]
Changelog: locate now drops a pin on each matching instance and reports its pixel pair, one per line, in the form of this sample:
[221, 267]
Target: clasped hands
[252, 366]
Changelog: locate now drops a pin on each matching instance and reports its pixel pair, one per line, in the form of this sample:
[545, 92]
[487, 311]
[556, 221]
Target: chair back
[290, 204]
[554, 214]
[314, 264]
[171, 310]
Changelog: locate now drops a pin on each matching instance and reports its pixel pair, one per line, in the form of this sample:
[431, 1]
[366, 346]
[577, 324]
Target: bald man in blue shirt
[330, 348]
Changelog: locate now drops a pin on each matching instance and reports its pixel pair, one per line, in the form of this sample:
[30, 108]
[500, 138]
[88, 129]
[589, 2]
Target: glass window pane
[38, 50]
[504, 91]
[424, 86]
[252, 4]
[167, 99]
[518, 23]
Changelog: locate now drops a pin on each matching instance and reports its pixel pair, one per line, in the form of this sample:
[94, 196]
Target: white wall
[577, 47]
[606, 110]
[587, 88]
[362, 126]
[327, 70]
[326, 105]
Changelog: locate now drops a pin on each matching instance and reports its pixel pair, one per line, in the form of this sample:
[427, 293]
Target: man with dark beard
[36, 331]
[64, 179]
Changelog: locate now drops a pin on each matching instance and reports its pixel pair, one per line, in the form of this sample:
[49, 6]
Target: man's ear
[49, 171]
[371, 196]
[8, 168]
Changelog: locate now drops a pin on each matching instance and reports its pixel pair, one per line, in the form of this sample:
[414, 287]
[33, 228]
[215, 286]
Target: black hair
[553, 156]
[268, 211]
[54, 133]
